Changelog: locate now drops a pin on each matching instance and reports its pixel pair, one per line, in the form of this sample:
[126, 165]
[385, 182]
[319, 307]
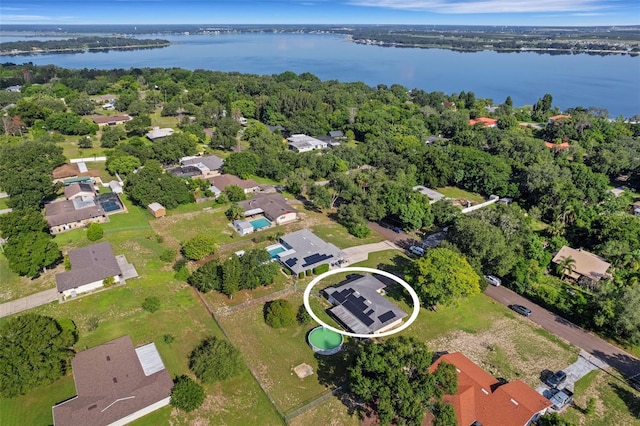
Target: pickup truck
[561, 399]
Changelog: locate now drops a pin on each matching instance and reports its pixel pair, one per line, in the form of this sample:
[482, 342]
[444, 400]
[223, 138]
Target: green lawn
[454, 192]
[338, 235]
[616, 402]
[273, 353]
[4, 203]
[159, 121]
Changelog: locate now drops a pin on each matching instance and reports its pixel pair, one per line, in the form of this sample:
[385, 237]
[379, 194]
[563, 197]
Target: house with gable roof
[116, 384]
[90, 267]
[481, 399]
[360, 306]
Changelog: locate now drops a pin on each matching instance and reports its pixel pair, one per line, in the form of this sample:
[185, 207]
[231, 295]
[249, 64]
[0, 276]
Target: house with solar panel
[302, 251]
[360, 306]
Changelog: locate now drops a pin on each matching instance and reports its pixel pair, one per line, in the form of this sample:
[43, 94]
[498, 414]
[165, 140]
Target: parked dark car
[522, 310]
[557, 378]
[397, 229]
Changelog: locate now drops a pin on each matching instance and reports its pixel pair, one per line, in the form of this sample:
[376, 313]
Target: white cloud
[32, 18]
[484, 6]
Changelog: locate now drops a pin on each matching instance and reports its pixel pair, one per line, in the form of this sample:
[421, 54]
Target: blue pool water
[275, 251]
[260, 223]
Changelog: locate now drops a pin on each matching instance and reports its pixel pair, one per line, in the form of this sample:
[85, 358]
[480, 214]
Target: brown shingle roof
[586, 264]
[61, 212]
[111, 384]
[71, 170]
[88, 265]
[111, 119]
[273, 205]
[222, 181]
[482, 398]
[77, 188]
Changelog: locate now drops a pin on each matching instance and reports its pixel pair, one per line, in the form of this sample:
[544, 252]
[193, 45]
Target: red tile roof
[484, 120]
[551, 145]
[481, 397]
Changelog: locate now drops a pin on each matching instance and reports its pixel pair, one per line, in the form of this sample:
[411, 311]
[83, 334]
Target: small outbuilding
[157, 210]
[243, 227]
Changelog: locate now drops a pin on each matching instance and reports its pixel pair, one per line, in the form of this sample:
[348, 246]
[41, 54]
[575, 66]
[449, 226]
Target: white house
[90, 267]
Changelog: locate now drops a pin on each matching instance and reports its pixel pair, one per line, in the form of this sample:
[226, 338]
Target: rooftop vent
[514, 402]
[484, 391]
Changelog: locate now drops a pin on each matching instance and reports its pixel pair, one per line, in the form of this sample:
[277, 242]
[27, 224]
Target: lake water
[611, 82]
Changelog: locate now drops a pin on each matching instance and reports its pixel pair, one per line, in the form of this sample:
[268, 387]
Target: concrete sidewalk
[19, 305]
[361, 253]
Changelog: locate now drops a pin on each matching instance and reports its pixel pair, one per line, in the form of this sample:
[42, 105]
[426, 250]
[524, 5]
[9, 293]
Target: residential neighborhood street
[615, 357]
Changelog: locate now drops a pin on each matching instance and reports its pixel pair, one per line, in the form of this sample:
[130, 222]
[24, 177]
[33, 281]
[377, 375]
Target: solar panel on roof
[387, 316]
[291, 262]
[358, 313]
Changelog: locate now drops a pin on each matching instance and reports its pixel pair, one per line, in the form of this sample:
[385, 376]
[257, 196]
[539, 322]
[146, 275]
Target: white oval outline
[412, 292]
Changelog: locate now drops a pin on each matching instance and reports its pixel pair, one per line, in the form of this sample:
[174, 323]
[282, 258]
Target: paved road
[19, 305]
[622, 361]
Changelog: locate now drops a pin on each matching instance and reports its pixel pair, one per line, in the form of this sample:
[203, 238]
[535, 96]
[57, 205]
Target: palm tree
[566, 266]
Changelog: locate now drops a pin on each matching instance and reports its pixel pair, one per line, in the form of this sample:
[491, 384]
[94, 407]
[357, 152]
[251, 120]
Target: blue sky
[460, 12]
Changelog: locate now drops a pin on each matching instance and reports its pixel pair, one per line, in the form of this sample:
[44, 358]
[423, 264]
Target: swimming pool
[258, 224]
[275, 250]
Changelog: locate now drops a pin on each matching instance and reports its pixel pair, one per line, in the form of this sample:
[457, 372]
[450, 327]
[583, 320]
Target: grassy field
[118, 312]
[454, 192]
[506, 345]
[616, 402]
[337, 234]
[4, 203]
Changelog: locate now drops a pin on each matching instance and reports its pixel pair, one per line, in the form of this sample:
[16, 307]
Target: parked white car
[493, 280]
[418, 251]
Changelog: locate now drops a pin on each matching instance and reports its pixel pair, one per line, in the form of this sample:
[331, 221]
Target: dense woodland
[561, 195]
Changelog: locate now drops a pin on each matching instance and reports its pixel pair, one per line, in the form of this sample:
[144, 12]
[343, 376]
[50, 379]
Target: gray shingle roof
[65, 211]
[309, 251]
[88, 264]
[360, 307]
[272, 205]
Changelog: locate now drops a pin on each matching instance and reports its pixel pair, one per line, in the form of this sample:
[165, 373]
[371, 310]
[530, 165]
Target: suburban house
[79, 190]
[208, 166]
[587, 267]
[304, 143]
[159, 133]
[64, 215]
[90, 266]
[68, 172]
[448, 104]
[99, 100]
[433, 195]
[273, 206]
[111, 120]
[219, 183]
[636, 208]
[336, 135]
[484, 121]
[116, 384]
[303, 251]
[284, 132]
[482, 399]
[157, 210]
[360, 306]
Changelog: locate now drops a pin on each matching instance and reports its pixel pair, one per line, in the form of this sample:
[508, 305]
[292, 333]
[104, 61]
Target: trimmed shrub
[279, 314]
[168, 255]
[321, 269]
[186, 394]
[303, 316]
[151, 304]
[94, 232]
[214, 360]
[198, 247]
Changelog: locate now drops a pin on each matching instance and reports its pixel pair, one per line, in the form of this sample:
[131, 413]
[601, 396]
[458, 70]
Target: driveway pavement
[576, 371]
[19, 305]
[625, 363]
[360, 253]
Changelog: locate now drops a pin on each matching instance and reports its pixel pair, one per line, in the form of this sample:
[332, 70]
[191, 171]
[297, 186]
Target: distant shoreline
[79, 50]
